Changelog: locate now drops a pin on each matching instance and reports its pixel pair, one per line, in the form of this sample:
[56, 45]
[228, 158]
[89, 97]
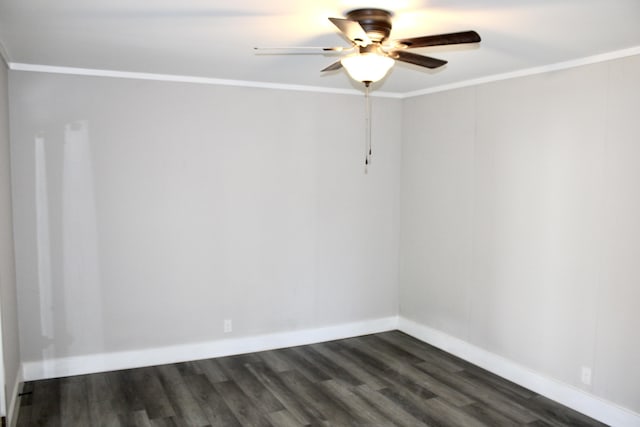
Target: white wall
[521, 222]
[8, 303]
[148, 212]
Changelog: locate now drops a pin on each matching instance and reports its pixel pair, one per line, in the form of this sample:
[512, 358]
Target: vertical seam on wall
[606, 246]
[471, 214]
[4, 396]
[401, 199]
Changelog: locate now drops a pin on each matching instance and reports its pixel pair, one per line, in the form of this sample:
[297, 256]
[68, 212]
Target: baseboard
[563, 393]
[572, 397]
[14, 403]
[79, 365]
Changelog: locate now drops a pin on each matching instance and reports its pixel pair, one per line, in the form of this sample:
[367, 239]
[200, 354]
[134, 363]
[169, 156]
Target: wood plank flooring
[387, 379]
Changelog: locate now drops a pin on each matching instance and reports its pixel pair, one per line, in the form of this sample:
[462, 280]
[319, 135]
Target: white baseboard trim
[568, 395]
[92, 363]
[14, 402]
[563, 393]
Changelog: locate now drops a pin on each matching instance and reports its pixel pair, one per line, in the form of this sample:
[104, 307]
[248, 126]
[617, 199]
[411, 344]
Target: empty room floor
[385, 379]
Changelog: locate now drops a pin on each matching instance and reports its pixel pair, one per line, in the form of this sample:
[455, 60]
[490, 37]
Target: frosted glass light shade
[367, 67]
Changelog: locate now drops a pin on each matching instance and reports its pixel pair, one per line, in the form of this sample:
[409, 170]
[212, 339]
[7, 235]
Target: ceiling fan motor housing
[375, 22]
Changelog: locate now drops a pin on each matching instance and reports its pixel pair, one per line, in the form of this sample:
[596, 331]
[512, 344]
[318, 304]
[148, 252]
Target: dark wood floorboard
[387, 379]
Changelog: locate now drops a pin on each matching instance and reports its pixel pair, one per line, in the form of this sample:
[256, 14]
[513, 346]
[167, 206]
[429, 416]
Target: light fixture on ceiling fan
[367, 67]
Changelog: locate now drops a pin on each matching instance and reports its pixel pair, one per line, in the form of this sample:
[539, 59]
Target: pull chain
[367, 130]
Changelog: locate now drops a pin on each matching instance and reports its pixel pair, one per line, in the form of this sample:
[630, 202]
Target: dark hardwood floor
[387, 379]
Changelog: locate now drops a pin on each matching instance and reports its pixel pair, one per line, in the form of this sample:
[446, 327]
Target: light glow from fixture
[367, 67]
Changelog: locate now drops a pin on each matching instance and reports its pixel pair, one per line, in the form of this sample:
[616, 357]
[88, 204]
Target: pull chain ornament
[367, 124]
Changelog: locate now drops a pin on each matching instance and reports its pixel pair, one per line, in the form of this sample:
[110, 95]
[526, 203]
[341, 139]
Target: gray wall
[148, 212]
[520, 229]
[8, 301]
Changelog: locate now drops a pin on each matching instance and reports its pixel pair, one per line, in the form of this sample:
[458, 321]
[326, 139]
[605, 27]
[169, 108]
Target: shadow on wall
[67, 244]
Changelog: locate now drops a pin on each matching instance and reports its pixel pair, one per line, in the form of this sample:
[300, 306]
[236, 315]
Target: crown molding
[187, 79]
[618, 54]
[609, 56]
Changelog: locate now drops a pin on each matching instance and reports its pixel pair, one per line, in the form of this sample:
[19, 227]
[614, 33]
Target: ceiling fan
[374, 54]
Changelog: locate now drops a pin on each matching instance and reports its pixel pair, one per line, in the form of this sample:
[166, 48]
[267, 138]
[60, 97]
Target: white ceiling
[215, 38]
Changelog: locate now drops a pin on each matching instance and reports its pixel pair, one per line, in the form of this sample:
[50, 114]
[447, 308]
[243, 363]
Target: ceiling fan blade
[441, 39]
[315, 49]
[421, 60]
[335, 66]
[353, 30]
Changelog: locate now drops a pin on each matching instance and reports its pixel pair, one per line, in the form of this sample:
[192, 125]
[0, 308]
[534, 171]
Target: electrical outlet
[586, 375]
[228, 327]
